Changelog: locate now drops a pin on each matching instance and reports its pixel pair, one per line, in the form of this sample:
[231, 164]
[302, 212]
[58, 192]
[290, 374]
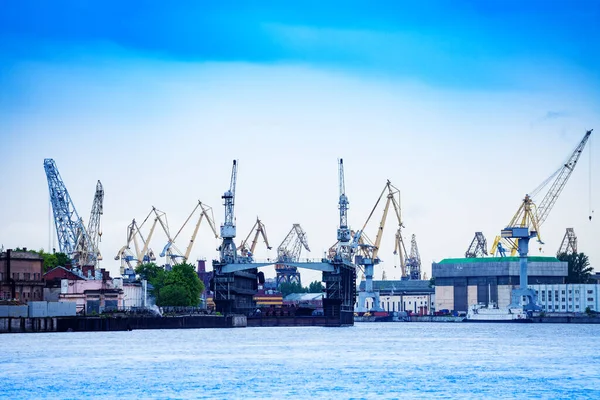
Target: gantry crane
[289, 252]
[170, 250]
[228, 249]
[367, 251]
[73, 238]
[413, 262]
[569, 243]
[146, 254]
[528, 215]
[478, 247]
[259, 230]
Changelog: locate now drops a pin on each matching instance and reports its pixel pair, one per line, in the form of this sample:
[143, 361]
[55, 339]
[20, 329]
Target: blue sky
[436, 97]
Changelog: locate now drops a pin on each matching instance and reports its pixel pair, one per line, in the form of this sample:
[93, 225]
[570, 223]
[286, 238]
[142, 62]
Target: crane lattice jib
[70, 231]
[289, 250]
[94, 229]
[478, 247]
[545, 206]
[414, 260]
[343, 199]
[229, 196]
[569, 243]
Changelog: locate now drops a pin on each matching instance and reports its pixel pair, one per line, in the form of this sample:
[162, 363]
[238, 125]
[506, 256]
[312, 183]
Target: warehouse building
[412, 296]
[461, 282]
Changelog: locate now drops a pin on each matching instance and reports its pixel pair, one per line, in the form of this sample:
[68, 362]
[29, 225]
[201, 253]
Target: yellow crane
[528, 215]
[259, 230]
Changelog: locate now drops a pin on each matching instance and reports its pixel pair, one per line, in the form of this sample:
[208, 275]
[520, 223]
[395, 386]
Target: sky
[464, 107]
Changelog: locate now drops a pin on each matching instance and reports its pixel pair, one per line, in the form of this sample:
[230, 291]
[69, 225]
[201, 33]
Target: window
[590, 291]
[590, 299]
[577, 306]
[577, 292]
[563, 292]
[569, 291]
[556, 307]
[570, 299]
[563, 299]
[563, 307]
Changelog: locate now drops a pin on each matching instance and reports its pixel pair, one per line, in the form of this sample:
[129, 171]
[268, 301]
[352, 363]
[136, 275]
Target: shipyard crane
[289, 252]
[94, 227]
[413, 262]
[146, 254]
[228, 249]
[478, 247]
[528, 215]
[569, 243]
[367, 251]
[170, 250]
[73, 238]
[343, 250]
[259, 230]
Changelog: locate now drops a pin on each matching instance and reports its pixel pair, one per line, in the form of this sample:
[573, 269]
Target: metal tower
[343, 233]
[414, 260]
[569, 243]
[73, 238]
[228, 249]
[478, 247]
[94, 229]
[289, 252]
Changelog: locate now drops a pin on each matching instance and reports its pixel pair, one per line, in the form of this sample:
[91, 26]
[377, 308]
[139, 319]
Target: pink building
[93, 291]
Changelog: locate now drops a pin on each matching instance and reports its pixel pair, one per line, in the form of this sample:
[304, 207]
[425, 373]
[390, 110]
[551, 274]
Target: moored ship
[491, 313]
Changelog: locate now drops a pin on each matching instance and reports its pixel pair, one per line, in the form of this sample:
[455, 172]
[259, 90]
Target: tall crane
[478, 247]
[146, 254]
[289, 252]
[94, 228]
[259, 230]
[413, 261]
[170, 250]
[228, 249]
[72, 235]
[569, 243]
[367, 251]
[343, 250]
[528, 215]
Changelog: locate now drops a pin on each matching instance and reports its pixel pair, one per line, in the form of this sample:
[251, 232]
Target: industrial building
[570, 297]
[413, 296]
[461, 282]
[21, 276]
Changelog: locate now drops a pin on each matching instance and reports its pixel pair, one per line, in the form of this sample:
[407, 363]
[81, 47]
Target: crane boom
[94, 229]
[528, 215]
[211, 223]
[70, 231]
[565, 171]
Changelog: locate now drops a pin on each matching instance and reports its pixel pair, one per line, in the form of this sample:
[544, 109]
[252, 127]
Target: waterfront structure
[462, 282]
[570, 297]
[412, 296]
[21, 276]
[309, 300]
[92, 290]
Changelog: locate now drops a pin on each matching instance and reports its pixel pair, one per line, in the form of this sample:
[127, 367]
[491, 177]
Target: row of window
[25, 276]
[543, 292]
[36, 295]
[563, 307]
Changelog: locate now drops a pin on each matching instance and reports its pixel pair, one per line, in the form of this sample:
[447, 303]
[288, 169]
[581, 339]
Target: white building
[570, 297]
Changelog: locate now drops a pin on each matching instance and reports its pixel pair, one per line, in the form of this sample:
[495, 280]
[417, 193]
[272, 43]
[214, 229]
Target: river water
[369, 360]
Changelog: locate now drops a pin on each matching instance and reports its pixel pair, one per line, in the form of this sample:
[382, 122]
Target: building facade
[462, 282]
[21, 276]
[410, 296]
[570, 297]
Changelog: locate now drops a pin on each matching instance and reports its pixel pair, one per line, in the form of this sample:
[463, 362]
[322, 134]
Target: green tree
[174, 295]
[288, 288]
[315, 287]
[184, 276]
[579, 267]
[432, 281]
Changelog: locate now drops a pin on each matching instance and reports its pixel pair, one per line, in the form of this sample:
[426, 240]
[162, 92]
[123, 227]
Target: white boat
[491, 313]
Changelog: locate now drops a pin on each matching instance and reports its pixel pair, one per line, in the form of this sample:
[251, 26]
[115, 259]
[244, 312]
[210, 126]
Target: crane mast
[228, 249]
[414, 260]
[343, 232]
[528, 215]
[259, 229]
[73, 238]
[569, 243]
[94, 229]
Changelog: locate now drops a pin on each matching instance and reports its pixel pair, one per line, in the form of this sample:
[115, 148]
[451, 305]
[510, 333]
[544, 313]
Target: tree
[579, 267]
[174, 295]
[288, 288]
[315, 287]
[185, 277]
